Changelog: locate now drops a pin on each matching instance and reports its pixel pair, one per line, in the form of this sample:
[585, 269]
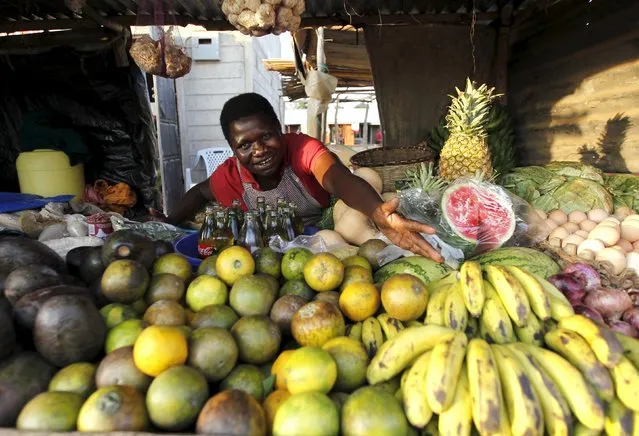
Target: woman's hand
[403, 232]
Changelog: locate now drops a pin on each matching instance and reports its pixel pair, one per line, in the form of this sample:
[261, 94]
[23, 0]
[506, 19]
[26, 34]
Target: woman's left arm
[358, 194]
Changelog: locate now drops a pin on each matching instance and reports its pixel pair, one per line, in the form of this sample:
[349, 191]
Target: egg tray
[626, 279]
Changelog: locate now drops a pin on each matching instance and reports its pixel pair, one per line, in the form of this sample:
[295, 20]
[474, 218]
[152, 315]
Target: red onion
[631, 316]
[624, 328]
[585, 274]
[634, 296]
[589, 313]
[610, 303]
[570, 286]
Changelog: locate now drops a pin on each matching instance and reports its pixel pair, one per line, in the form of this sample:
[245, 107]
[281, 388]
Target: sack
[259, 18]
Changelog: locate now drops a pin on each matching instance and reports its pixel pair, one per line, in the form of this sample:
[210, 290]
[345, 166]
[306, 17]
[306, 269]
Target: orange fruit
[159, 348]
[173, 263]
[204, 291]
[278, 368]
[359, 301]
[324, 272]
[316, 322]
[355, 274]
[352, 362]
[272, 403]
[233, 263]
[404, 297]
[310, 413]
[310, 369]
[357, 261]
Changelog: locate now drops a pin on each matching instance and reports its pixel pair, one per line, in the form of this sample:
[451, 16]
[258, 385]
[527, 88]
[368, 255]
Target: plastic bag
[319, 88]
[161, 53]
[153, 230]
[261, 17]
[313, 243]
[480, 216]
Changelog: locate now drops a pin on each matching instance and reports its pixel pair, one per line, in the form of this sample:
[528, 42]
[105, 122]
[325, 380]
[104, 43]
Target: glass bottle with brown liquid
[222, 236]
[261, 210]
[205, 247]
[250, 234]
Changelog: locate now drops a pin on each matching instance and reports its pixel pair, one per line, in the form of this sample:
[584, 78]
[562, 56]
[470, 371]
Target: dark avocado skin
[127, 244]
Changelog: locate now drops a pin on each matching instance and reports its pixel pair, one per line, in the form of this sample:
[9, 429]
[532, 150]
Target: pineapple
[466, 149]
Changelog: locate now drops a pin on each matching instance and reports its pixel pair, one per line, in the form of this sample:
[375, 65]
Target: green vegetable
[625, 190]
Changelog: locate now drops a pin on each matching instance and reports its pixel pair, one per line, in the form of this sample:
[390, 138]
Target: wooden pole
[502, 52]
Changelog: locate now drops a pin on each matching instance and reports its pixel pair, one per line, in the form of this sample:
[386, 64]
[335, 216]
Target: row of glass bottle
[224, 227]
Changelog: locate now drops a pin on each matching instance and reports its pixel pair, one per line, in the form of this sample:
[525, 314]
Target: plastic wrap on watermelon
[475, 216]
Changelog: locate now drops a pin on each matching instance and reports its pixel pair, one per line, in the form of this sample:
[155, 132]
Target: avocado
[130, 245]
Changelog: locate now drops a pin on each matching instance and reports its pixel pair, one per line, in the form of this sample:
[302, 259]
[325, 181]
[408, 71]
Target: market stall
[259, 324]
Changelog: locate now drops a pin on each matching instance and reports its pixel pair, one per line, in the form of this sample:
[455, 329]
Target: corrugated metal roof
[208, 12]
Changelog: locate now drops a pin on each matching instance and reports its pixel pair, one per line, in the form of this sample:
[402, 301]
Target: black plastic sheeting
[107, 105]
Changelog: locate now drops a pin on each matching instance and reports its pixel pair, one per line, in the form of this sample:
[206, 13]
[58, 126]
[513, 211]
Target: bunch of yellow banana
[586, 381]
[500, 304]
[374, 331]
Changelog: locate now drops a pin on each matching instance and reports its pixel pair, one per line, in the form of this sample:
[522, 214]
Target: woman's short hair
[245, 105]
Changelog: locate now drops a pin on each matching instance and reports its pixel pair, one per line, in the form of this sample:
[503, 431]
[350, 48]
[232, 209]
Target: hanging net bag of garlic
[259, 18]
[161, 52]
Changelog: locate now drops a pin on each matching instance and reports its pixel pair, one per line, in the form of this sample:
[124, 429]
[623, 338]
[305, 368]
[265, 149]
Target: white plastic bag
[319, 88]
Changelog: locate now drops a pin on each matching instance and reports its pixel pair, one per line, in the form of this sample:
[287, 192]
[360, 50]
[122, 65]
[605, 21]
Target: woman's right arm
[192, 201]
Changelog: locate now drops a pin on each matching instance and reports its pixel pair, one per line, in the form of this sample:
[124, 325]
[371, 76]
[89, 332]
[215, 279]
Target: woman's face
[255, 140]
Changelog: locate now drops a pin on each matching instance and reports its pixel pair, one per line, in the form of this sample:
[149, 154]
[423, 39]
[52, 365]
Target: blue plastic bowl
[187, 246]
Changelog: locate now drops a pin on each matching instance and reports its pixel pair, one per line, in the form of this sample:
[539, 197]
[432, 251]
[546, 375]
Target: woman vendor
[296, 167]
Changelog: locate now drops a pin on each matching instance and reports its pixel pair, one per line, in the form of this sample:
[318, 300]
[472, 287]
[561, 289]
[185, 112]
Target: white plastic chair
[213, 157]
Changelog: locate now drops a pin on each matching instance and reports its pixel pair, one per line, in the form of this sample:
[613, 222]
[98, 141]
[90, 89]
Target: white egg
[582, 233]
[632, 261]
[587, 225]
[635, 246]
[615, 256]
[571, 227]
[558, 216]
[612, 224]
[612, 219]
[630, 230]
[624, 245]
[577, 216]
[597, 215]
[592, 245]
[559, 232]
[551, 224]
[632, 217]
[572, 239]
[542, 214]
[608, 235]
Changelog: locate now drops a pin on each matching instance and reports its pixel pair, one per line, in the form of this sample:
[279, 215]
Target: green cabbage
[568, 186]
[625, 190]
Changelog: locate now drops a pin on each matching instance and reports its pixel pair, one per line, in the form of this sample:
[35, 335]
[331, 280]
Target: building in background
[224, 64]
[357, 121]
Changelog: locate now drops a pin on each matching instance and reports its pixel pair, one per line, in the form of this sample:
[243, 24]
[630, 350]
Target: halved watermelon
[481, 215]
